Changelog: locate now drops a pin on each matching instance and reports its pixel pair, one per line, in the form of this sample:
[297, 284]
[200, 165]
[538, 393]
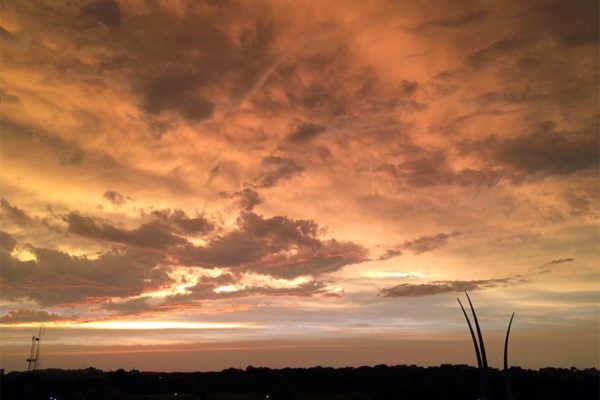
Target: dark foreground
[379, 382]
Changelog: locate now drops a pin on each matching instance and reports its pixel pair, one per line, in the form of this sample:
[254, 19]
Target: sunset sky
[196, 185]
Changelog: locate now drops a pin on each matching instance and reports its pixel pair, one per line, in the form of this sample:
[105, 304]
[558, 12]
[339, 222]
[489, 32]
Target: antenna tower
[33, 362]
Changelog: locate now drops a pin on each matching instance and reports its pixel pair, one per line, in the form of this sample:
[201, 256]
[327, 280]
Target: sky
[197, 185]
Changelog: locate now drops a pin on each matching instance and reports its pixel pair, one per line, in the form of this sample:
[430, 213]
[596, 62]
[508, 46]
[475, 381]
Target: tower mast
[36, 363]
[33, 361]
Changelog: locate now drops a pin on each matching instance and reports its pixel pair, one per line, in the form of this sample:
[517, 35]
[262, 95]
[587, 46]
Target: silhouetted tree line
[378, 382]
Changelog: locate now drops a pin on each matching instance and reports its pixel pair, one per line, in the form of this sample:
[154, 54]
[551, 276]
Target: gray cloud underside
[27, 315]
[277, 246]
[198, 225]
[438, 287]
[57, 278]
[419, 245]
[263, 245]
[155, 235]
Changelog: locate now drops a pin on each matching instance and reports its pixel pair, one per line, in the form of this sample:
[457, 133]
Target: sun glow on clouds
[23, 254]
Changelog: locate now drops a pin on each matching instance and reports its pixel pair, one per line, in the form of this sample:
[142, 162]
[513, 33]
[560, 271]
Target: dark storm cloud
[114, 197]
[305, 131]
[26, 315]
[56, 278]
[248, 198]
[334, 89]
[254, 239]
[104, 11]
[172, 91]
[424, 168]
[183, 68]
[276, 246]
[14, 213]
[542, 150]
[573, 23]
[211, 55]
[429, 289]
[197, 225]
[457, 21]
[275, 169]
[547, 150]
[7, 242]
[151, 235]
[542, 24]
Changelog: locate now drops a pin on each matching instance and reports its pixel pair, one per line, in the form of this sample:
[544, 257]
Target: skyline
[314, 181]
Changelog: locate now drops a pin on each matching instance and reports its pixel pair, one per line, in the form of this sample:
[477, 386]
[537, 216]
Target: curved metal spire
[481, 345]
[506, 342]
[472, 334]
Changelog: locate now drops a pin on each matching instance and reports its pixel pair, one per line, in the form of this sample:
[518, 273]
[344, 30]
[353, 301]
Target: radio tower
[33, 361]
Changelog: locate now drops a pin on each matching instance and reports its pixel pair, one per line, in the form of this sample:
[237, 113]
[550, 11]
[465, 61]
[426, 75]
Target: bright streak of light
[226, 289]
[23, 255]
